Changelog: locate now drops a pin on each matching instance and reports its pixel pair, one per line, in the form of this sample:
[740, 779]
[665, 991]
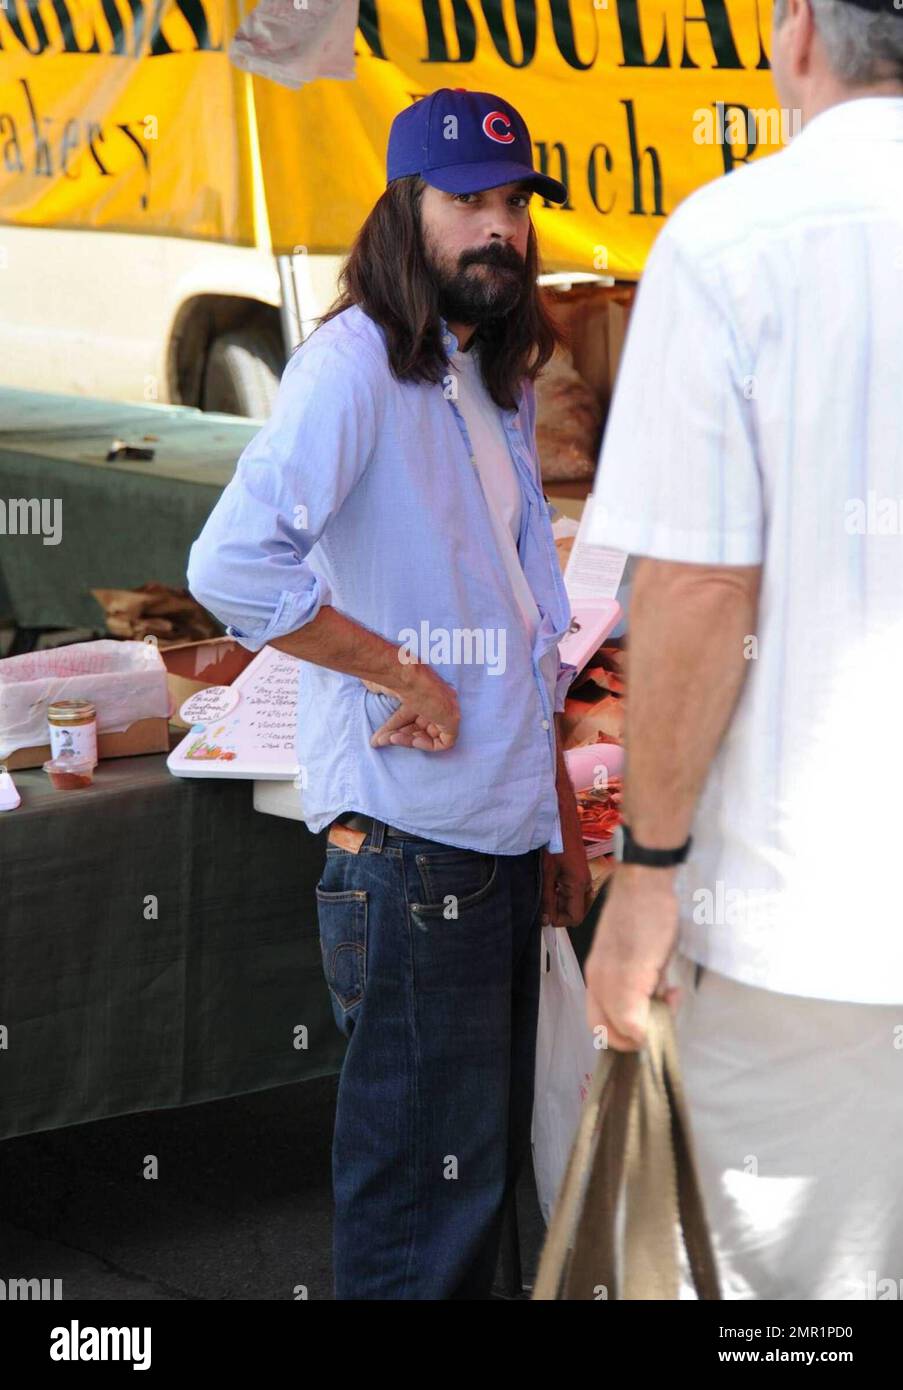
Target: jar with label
[73, 729]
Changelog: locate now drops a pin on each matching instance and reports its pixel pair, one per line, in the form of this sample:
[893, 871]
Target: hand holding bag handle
[634, 1137]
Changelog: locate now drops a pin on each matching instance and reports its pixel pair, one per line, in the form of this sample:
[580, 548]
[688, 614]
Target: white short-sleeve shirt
[758, 419]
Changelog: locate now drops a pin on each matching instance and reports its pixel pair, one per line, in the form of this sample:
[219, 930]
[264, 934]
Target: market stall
[201, 1002]
[144, 964]
[103, 521]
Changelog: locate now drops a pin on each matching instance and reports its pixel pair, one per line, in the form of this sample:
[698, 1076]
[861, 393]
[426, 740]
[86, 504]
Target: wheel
[242, 372]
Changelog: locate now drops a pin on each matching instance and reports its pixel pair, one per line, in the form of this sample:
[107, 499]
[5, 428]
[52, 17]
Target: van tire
[242, 372]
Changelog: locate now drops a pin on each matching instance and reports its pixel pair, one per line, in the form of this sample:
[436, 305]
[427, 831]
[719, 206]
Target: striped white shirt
[758, 419]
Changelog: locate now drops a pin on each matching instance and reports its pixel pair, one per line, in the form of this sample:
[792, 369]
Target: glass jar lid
[71, 711]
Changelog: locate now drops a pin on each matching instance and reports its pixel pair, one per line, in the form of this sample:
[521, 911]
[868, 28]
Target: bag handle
[633, 1141]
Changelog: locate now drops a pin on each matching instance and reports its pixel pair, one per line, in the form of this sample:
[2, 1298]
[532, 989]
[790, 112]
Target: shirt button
[545, 723]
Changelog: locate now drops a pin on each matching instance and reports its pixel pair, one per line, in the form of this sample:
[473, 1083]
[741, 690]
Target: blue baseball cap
[463, 142]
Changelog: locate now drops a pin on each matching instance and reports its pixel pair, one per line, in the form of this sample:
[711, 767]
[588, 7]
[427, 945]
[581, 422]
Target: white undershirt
[497, 474]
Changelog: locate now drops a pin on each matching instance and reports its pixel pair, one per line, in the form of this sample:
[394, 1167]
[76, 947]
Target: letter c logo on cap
[492, 119]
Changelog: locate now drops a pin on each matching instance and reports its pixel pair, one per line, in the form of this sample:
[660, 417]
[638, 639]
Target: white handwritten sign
[213, 702]
[257, 737]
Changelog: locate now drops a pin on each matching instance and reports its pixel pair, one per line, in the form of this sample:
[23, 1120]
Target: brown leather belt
[355, 820]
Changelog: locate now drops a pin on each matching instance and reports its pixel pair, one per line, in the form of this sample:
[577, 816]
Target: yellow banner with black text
[131, 118]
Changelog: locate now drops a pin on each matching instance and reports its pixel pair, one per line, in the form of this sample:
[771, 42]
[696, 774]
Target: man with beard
[388, 527]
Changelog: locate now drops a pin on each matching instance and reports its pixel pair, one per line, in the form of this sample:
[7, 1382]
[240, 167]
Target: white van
[134, 317]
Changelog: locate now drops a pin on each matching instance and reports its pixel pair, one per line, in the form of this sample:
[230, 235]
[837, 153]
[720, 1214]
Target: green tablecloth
[122, 523]
[111, 1010]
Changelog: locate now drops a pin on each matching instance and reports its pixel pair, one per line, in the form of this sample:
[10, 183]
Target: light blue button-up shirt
[360, 492]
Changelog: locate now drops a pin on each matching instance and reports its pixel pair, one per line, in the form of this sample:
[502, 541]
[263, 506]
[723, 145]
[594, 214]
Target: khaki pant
[796, 1107]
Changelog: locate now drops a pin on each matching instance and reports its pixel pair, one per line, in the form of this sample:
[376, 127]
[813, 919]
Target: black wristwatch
[627, 851]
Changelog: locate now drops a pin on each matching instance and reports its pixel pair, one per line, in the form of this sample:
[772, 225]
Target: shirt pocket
[342, 919]
[451, 881]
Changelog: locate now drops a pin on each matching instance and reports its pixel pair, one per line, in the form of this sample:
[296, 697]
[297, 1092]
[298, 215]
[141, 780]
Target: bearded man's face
[476, 245]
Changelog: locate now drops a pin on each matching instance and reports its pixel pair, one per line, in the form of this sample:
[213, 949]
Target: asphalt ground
[241, 1207]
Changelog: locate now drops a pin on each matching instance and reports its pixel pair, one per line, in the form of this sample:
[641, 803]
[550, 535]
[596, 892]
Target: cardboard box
[118, 674]
[144, 736]
[192, 666]
[594, 319]
[619, 307]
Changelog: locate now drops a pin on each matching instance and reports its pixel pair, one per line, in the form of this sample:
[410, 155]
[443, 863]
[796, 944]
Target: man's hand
[428, 716]
[633, 943]
[566, 882]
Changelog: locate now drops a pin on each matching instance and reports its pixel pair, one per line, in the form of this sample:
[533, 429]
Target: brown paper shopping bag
[630, 1188]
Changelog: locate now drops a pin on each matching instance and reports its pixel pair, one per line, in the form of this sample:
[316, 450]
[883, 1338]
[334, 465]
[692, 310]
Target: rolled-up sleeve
[249, 565]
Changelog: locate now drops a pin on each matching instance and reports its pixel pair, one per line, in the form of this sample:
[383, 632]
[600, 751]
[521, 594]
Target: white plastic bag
[296, 41]
[565, 1061]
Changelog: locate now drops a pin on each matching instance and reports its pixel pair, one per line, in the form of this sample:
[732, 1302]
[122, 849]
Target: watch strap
[634, 853]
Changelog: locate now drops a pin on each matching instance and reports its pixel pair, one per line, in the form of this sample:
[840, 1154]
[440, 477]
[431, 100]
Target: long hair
[388, 276]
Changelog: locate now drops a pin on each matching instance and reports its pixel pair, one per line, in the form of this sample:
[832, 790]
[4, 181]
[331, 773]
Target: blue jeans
[432, 958]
